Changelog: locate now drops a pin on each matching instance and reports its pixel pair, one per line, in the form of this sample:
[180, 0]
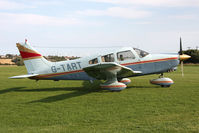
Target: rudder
[35, 63]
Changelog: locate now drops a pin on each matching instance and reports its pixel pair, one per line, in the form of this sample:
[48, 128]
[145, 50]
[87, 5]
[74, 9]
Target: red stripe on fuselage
[149, 61]
[29, 55]
[58, 74]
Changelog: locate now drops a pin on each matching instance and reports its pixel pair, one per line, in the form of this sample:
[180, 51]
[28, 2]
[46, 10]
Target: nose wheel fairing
[162, 81]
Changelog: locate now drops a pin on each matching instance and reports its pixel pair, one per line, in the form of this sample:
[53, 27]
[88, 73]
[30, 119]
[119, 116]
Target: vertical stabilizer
[35, 63]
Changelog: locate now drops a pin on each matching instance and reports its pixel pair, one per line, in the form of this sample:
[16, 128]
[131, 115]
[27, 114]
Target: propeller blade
[180, 52]
[182, 57]
[182, 70]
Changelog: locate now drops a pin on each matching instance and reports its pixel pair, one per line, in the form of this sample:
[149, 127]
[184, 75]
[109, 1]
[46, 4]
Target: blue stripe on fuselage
[72, 76]
[154, 67]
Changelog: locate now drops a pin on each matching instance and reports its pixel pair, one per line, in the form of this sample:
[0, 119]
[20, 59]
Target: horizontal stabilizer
[23, 76]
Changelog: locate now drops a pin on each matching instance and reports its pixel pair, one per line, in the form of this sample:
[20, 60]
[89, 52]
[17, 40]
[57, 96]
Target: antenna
[26, 41]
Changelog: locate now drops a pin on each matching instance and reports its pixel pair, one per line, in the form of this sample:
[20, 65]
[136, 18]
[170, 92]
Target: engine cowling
[164, 82]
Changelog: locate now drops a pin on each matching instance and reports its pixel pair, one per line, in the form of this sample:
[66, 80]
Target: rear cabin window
[93, 61]
[108, 58]
[125, 55]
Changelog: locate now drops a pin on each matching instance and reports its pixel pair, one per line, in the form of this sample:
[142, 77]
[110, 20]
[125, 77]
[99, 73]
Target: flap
[100, 70]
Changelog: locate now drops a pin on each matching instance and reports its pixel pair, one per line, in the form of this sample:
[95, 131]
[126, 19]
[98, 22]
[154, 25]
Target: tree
[18, 61]
[194, 53]
[9, 56]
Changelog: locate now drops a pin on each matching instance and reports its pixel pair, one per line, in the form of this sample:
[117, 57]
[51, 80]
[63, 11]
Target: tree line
[194, 53]
[19, 61]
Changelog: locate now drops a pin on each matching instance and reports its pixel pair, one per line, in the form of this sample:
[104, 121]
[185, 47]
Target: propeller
[182, 57]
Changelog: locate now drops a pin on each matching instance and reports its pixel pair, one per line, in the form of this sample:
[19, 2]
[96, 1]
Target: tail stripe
[35, 63]
[28, 54]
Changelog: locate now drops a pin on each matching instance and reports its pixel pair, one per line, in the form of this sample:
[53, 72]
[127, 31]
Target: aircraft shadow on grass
[11, 90]
[133, 86]
[76, 91]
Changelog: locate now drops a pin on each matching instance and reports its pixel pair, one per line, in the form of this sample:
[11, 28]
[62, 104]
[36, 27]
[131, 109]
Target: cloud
[33, 19]
[165, 3]
[184, 16]
[12, 5]
[120, 12]
[7, 5]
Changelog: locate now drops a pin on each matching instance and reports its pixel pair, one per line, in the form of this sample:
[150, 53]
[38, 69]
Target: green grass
[77, 106]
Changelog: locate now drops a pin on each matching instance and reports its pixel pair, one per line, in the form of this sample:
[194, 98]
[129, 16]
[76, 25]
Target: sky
[82, 27]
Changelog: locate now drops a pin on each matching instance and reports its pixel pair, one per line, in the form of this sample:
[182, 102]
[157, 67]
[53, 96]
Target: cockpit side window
[108, 58]
[93, 61]
[125, 55]
[140, 52]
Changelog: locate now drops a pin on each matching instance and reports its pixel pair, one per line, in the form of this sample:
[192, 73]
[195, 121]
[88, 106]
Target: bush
[194, 53]
[18, 61]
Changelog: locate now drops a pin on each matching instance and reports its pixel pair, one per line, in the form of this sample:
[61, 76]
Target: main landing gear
[112, 82]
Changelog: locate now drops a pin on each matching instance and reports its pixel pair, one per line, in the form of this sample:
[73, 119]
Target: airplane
[114, 66]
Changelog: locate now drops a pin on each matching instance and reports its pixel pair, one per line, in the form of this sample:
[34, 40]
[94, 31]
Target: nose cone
[184, 57]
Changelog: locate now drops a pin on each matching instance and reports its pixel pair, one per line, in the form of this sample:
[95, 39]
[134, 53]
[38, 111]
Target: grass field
[76, 106]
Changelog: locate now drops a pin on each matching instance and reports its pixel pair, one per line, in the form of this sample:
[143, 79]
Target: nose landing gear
[162, 81]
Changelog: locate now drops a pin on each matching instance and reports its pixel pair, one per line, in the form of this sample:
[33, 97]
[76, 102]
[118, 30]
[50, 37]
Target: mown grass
[77, 106]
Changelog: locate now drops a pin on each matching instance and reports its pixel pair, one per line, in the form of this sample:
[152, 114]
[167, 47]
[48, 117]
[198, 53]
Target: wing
[99, 71]
[23, 76]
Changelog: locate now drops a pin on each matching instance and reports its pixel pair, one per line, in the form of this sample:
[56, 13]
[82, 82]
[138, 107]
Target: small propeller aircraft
[113, 66]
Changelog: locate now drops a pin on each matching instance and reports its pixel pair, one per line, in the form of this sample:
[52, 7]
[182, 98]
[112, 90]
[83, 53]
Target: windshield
[125, 55]
[140, 52]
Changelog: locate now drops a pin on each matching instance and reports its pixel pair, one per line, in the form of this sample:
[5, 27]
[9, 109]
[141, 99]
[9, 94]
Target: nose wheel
[162, 81]
[164, 86]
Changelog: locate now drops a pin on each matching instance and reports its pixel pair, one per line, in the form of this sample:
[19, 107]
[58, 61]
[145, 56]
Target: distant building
[2, 56]
[6, 62]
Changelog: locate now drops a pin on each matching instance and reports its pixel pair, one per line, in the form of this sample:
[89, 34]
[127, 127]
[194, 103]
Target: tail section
[35, 63]
[28, 53]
